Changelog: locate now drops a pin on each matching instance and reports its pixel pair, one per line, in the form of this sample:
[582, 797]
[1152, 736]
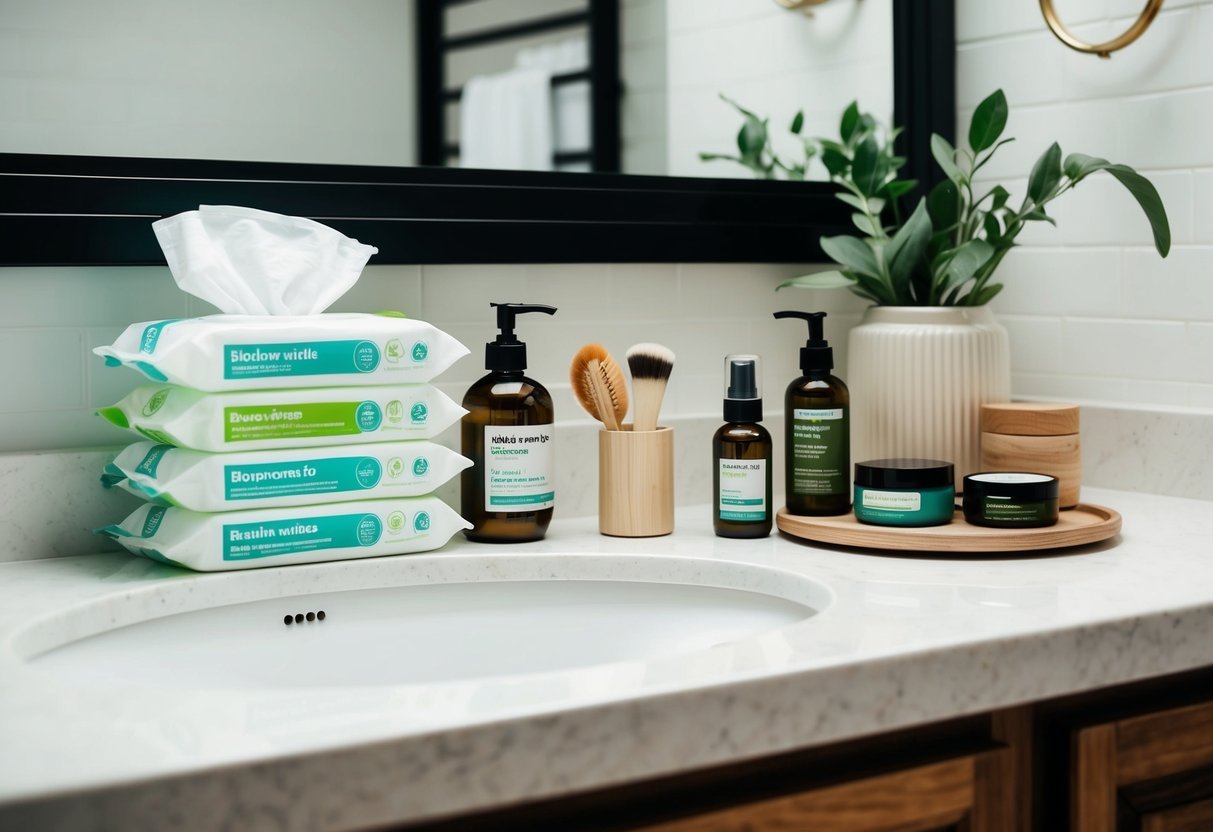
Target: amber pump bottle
[817, 429]
[508, 494]
[741, 456]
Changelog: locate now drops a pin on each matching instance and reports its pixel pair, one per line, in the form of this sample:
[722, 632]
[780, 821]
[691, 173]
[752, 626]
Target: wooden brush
[599, 386]
[651, 365]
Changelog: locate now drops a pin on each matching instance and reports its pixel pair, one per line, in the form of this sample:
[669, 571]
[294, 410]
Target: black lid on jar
[908, 473]
[1018, 485]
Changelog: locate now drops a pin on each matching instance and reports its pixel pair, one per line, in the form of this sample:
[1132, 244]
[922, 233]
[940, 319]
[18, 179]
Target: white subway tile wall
[51, 383]
[1093, 312]
[774, 62]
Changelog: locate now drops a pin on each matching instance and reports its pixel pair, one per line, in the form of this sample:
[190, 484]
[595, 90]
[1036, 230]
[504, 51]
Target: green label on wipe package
[245, 541]
[299, 421]
[302, 477]
[302, 358]
[820, 451]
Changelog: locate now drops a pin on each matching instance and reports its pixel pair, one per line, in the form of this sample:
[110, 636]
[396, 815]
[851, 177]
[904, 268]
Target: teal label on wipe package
[151, 334]
[151, 522]
[301, 358]
[246, 541]
[151, 460]
[304, 477]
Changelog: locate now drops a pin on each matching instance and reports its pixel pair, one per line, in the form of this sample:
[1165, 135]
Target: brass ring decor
[1103, 50]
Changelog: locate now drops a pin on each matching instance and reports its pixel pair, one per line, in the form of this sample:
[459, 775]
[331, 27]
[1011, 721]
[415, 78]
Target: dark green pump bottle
[817, 429]
[741, 457]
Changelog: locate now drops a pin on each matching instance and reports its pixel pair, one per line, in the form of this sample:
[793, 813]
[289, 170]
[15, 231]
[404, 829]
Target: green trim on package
[114, 415]
[247, 423]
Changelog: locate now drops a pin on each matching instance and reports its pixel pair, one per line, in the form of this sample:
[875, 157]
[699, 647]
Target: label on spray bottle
[743, 490]
[820, 449]
[518, 468]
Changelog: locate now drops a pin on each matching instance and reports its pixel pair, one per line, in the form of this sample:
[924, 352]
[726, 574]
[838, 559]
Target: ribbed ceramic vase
[918, 378]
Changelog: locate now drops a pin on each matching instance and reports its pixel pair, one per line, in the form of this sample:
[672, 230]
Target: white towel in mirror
[506, 120]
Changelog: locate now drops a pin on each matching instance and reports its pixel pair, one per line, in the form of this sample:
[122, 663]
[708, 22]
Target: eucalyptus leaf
[835, 162]
[1046, 173]
[988, 122]
[1001, 195]
[908, 247]
[964, 264]
[945, 157]
[864, 223]
[943, 204]
[868, 169]
[850, 121]
[856, 202]
[1037, 215]
[990, 224]
[875, 289]
[982, 296]
[899, 187]
[818, 280]
[853, 253]
[1080, 165]
[1147, 197]
[752, 138]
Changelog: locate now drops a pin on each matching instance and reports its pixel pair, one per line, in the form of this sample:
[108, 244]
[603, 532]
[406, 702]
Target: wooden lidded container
[1038, 437]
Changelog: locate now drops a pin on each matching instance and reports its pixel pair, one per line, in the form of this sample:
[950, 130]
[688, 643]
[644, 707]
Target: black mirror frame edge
[92, 210]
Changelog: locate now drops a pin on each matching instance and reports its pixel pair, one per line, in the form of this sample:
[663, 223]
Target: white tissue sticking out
[250, 262]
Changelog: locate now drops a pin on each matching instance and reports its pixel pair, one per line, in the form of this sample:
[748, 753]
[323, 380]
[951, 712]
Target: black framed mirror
[96, 210]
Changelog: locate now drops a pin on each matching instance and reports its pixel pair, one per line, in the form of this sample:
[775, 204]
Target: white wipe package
[297, 418]
[250, 262]
[238, 480]
[259, 352]
[284, 536]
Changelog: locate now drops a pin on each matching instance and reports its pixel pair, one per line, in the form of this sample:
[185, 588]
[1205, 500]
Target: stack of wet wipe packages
[276, 434]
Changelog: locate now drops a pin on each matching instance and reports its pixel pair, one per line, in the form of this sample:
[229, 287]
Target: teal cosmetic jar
[905, 492]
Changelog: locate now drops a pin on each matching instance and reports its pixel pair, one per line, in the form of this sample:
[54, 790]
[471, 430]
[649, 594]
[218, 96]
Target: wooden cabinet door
[1152, 773]
[971, 793]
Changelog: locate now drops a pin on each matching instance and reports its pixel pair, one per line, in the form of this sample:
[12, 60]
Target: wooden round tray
[1085, 523]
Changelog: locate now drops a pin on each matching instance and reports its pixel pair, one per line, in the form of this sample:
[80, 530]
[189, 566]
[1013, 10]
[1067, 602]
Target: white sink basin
[444, 619]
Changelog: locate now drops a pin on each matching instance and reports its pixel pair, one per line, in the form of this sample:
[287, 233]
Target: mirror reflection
[342, 82]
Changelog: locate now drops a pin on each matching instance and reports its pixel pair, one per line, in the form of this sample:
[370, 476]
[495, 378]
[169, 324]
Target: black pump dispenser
[816, 356]
[507, 354]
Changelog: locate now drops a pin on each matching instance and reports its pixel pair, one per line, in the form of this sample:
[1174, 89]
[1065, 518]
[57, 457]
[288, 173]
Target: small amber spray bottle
[741, 456]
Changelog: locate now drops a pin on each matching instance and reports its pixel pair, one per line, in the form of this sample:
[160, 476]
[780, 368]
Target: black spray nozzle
[743, 382]
[508, 312]
[741, 401]
[816, 354]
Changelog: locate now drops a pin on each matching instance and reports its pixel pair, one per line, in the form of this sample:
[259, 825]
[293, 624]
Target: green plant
[948, 249]
[755, 150]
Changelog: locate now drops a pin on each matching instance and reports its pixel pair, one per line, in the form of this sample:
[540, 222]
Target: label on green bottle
[820, 458]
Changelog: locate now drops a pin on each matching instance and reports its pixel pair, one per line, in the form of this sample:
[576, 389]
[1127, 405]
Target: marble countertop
[904, 641]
